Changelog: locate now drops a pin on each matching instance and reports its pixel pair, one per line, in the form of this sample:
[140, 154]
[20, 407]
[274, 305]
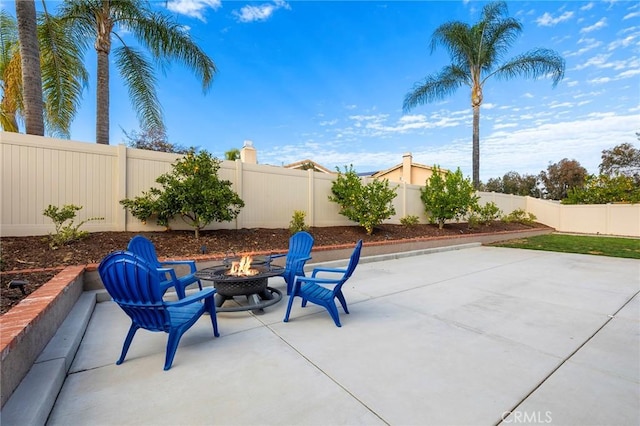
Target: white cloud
[547, 20]
[193, 8]
[560, 105]
[598, 25]
[528, 95]
[599, 61]
[600, 80]
[587, 6]
[629, 73]
[250, 13]
[504, 126]
[589, 44]
[412, 118]
[631, 15]
[623, 42]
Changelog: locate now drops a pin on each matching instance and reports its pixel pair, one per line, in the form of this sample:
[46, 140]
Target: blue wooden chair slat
[313, 289]
[145, 249]
[300, 245]
[136, 286]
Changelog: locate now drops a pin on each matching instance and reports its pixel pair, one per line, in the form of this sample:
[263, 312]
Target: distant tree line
[569, 182]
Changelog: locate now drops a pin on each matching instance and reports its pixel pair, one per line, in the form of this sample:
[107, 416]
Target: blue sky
[325, 80]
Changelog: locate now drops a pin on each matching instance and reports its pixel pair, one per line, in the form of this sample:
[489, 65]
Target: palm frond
[533, 64]
[436, 87]
[11, 103]
[8, 39]
[64, 76]
[168, 41]
[137, 72]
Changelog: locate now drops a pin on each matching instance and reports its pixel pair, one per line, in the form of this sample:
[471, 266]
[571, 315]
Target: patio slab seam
[572, 354]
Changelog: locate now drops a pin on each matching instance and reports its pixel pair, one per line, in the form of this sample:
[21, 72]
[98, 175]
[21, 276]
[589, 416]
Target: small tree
[153, 140]
[368, 204]
[447, 197]
[561, 177]
[193, 191]
[623, 159]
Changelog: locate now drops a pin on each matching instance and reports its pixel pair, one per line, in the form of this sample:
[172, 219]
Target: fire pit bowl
[255, 286]
[231, 285]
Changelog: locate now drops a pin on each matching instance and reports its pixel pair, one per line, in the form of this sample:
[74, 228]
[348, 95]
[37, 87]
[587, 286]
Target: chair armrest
[191, 263]
[332, 270]
[301, 260]
[168, 283]
[275, 256]
[202, 294]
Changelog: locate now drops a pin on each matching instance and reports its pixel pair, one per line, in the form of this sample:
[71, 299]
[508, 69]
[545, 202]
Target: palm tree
[31, 76]
[63, 75]
[476, 52]
[164, 39]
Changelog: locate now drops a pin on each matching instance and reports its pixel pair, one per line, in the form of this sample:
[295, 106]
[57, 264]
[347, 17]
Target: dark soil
[19, 255]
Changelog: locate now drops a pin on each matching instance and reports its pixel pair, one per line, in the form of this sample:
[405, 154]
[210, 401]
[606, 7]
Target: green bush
[368, 205]
[193, 191]
[447, 197]
[297, 223]
[484, 215]
[410, 220]
[605, 189]
[520, 216]
[66, 231]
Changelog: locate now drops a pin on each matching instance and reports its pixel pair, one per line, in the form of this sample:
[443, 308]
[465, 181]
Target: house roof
[399, 166]
[303, 163]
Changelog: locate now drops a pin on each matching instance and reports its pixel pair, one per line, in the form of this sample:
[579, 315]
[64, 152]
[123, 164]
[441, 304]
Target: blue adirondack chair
[145, 249]
[134, 285]
[313, 289]
[300, 245]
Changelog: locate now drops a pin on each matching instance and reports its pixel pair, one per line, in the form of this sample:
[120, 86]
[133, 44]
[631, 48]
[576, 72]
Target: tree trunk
[31, 74]
[102, 99]
[476, 147]
[103, 48]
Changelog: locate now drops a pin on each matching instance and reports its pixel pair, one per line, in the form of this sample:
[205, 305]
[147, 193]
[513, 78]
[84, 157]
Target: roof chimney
[407, 160]
[248, 153]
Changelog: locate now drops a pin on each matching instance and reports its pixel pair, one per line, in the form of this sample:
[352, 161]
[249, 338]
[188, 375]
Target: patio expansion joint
[610, 318]
[324, 373]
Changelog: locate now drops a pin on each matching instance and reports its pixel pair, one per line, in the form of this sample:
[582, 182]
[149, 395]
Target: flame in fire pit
[243, 268]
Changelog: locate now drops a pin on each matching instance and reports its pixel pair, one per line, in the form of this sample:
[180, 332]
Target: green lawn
[602, 246]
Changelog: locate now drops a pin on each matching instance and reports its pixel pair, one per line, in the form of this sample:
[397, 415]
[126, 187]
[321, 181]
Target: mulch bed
[21, 255]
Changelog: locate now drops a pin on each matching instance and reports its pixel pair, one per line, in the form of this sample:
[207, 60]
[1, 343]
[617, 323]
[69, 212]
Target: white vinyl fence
[38, 171]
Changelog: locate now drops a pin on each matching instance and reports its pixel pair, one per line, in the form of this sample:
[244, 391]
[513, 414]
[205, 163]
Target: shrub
[447, 197]
[297, 223]
[368, 204]
[410, 220]
[520, 216]
[66, 231]
[484, 215]
[605, 189]
[193, 191]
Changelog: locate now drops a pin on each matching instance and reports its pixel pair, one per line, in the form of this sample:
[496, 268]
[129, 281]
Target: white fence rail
[37, 172]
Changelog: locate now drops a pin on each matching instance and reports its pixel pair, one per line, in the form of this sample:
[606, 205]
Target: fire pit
[244, 276]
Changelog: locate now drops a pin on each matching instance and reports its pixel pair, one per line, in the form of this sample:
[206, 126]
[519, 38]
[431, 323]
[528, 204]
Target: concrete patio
[462, 335]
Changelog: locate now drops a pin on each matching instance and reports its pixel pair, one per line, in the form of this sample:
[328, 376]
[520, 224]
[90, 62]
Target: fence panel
[37, 172]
